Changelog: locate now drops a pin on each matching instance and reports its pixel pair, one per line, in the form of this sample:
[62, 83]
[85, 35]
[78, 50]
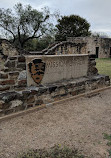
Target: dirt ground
[79, 123]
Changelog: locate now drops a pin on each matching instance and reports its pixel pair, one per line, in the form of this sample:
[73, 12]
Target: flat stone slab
[48, 69]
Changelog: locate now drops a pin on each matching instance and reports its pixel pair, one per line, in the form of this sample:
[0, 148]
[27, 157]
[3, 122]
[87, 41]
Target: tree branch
[32, 37]
[5, 28]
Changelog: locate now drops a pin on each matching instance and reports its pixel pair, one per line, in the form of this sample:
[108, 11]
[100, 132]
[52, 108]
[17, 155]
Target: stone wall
[15, 95]
[14, 101]
[65, 47]
[92, 43]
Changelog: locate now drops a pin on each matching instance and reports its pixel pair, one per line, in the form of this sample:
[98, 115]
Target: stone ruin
[28, 80]
[99, 46]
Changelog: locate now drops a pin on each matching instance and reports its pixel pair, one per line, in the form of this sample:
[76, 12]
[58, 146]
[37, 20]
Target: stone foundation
[15, 92]
[14, 101]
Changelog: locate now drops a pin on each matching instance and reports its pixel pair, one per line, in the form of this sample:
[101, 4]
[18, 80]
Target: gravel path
[79, 123]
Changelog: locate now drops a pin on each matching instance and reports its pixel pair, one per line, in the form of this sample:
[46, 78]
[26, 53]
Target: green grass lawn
[104, 66]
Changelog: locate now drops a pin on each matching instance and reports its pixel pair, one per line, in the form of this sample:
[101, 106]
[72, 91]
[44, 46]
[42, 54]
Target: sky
[97, 12]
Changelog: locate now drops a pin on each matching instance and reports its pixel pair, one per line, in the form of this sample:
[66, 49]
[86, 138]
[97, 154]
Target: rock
[21, 59]
[31, 99]
[4, 88]
[22, 75]
[1, 104]
[7, 82]
[16, 103]
[10, 64]
[9, 96]
[22, 83]
[3, 76]
[21, 66]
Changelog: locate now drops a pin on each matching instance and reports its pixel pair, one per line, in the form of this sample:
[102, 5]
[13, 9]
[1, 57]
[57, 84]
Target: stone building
[101, 47]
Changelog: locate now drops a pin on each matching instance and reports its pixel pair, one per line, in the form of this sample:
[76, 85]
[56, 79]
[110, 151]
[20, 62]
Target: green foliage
[39, 44]
[25, 23]
[72, 26]
[108, 137]
[55, 152]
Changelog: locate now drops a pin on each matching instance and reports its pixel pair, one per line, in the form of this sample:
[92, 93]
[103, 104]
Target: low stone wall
[14, 101]
[78, 74]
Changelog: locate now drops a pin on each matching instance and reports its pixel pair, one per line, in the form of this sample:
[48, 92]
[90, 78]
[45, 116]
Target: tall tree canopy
[24, 24]
[72, 26]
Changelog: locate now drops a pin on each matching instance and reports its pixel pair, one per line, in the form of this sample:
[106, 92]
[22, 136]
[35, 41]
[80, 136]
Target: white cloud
[97, 12]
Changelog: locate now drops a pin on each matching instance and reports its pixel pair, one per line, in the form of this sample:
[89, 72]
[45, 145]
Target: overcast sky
[97, 12]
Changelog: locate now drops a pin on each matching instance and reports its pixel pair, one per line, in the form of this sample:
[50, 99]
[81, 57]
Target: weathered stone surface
[9, 96]
[6, 106]
[13, 58]
[26, 94]
[107, 78]
[3, 75]
[4, 88]
[2, 113]
[16, 96]
[30, 105]
[57, 68]
[100, 47]
[21, 59]
[62, 91]
[8, 111]
[10, 64]
[1, 104]
[52, 88]
[22, 83]
[30, 99]
[34, 96]
[8, 49]
[16, 103]
[14, 74]
[6, 69]
[21, 66]
[22, 75]
[7, 82]
[39, 102]
[92, 70]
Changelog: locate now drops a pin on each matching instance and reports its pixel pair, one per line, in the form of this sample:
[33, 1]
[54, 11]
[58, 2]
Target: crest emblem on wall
[37, 69]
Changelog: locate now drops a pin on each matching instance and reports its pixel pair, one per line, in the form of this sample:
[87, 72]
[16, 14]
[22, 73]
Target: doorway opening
[110, 53]
[97, 52]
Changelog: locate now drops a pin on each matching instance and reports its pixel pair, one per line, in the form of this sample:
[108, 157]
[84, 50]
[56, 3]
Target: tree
[72, 26]
[24, 24]
[39, 44]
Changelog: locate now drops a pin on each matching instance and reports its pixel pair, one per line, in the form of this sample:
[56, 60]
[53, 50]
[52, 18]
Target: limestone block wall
[66, 47]
[12, 68]
[13, 75]
[15, 95]
[103, 44]
[13, 101]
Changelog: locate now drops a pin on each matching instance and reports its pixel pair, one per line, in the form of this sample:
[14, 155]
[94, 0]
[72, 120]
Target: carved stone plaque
[48, 69]
[37, 69]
